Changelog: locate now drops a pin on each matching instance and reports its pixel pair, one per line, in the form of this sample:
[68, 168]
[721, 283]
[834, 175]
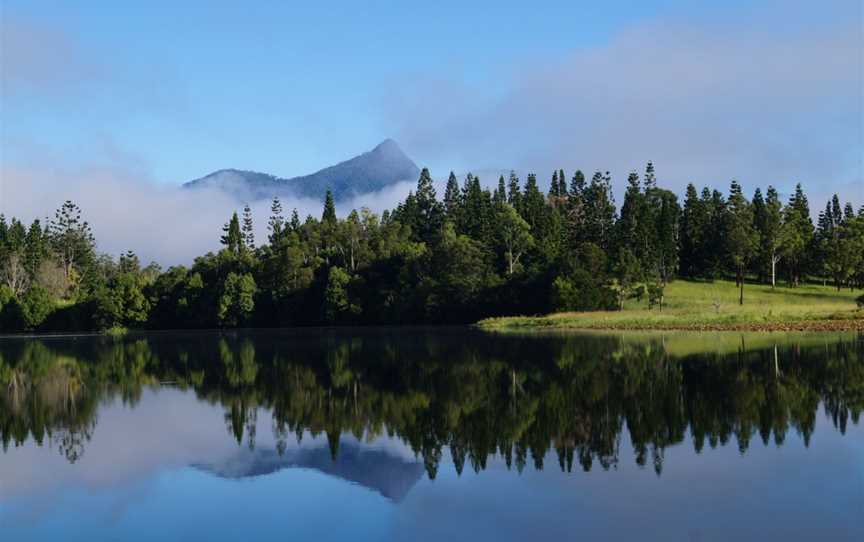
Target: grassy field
[691, 305]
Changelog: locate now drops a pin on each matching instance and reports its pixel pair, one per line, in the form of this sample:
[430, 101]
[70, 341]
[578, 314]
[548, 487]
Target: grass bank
[697, 305]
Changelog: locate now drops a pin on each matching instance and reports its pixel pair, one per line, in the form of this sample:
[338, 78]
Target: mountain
[391, 476]
[383, 166]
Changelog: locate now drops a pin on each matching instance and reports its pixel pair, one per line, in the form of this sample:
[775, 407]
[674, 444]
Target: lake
[430, 434]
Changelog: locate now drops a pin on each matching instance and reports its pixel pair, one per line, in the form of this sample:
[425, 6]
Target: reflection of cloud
[706, 104]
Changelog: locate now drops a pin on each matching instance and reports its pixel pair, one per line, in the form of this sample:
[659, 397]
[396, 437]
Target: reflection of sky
[134, 483]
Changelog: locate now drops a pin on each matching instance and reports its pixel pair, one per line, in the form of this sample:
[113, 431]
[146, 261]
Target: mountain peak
[387, 145]
[371, 171]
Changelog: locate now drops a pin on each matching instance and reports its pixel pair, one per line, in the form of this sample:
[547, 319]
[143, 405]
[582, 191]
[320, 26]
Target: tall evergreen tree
[650, 177]
[430, 214]
[629, 226]
[600, 211]
[452, 199]
[247, 229]
[276, 225]
[295, 221]
[329, 214]
[514, 192]
[71, 240]
[232, 237]
[797, 241]
[741, 238]
[694, 231]
[499, 197]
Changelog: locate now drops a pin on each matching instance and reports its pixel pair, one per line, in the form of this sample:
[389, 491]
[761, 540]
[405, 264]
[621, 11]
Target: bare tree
[52, 277]
[14, 274]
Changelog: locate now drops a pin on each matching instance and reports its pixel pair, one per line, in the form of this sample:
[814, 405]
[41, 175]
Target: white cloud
[705, 103]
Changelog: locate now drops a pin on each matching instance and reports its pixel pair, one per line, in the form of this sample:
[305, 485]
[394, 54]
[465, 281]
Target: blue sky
[183, 88]
[121, 101]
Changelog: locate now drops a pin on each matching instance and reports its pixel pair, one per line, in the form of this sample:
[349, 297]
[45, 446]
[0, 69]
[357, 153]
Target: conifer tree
[650, 177]
[247, 230]
[277, 222]
[71, 239]
[694, 224]
[452, 199]
[35, 248]
[741, 239]
[232, 237]
[514, 192]
[554, 191]
[329, 214]
[630, 229]
[600, 211]
[797, 235]
[500, 195]
[295, 221]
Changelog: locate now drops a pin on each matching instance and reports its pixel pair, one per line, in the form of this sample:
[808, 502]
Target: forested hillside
[473, 254]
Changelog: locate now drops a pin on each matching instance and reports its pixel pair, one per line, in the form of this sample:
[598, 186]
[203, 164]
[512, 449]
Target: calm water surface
[432, 434]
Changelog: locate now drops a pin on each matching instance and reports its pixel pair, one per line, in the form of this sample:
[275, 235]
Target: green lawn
[691, 305]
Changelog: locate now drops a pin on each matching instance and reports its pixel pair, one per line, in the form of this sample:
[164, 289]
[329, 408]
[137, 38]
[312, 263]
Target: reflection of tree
[474, 395]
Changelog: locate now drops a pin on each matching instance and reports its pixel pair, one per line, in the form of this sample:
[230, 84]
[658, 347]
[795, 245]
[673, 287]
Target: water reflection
[466, 396]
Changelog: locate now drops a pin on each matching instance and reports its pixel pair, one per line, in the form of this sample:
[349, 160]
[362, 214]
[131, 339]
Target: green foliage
[337, 306]
[237, 300]
[475, 254]
[36, 306]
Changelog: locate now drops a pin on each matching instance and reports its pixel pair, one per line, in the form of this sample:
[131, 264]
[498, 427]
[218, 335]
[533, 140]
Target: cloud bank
[129, 211]
[705, 103]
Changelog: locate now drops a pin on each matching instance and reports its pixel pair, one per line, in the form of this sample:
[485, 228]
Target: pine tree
[694, 225]
[429, 211]
[662, 232]
[329, 214]
[650, 178]
[574, 220]
[452, 199]
[600, 211]
[629, 228]
[232, 237]
[554, 191]
[277, 222]
[798, 238]
[712, 248]
[295, 221]
[247, 230]
[514, 192]
[35, 248]
[71, 240]
[741, 238]
[533, 205]
[500, 195]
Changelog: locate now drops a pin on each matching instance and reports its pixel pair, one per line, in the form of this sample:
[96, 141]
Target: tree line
[474, 253]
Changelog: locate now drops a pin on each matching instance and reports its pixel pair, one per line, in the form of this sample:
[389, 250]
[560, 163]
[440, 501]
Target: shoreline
[541, 323]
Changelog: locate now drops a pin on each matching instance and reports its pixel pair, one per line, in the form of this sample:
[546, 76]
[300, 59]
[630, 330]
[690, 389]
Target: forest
[472, 254]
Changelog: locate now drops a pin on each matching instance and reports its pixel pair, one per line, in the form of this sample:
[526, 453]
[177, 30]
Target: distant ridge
[371, 171]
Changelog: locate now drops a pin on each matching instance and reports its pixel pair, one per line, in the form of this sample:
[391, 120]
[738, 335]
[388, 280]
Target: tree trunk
[741, 296]
[773, 272]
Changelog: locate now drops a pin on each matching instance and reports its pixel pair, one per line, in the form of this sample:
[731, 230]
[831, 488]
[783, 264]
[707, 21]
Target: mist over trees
[473, 253]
